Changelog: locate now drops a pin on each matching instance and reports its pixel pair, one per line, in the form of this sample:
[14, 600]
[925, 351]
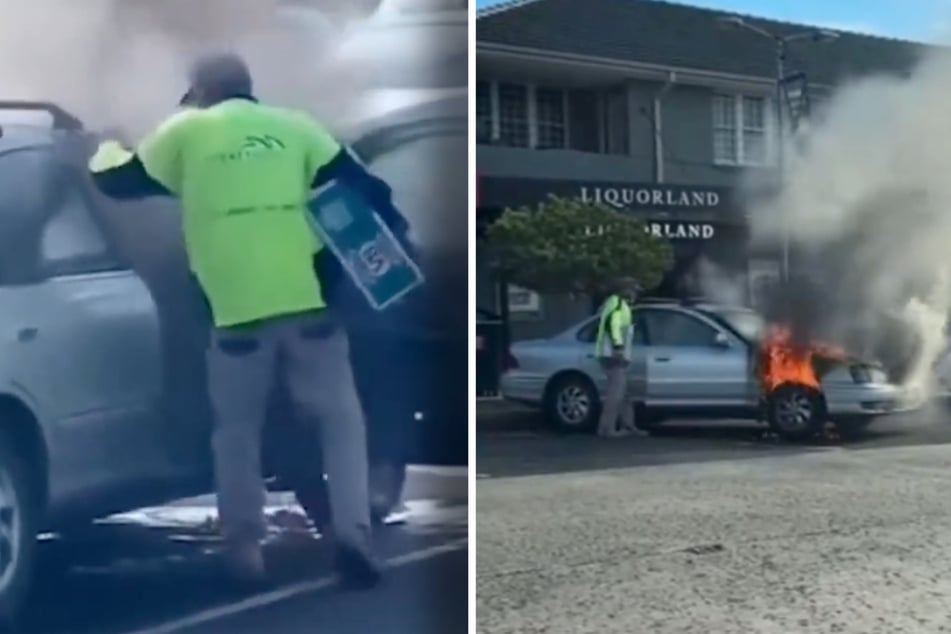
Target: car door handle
[662, 359]
[27, 334]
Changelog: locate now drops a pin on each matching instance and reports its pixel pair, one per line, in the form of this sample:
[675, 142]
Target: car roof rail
[23, 113]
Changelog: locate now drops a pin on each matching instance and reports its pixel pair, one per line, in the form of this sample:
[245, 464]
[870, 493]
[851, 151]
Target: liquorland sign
[651, 196]
[643, 199]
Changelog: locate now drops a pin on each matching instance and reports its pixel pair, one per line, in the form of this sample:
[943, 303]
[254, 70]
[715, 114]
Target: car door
[587, 360]
[589, 364]
[691, 362]
[93, 324]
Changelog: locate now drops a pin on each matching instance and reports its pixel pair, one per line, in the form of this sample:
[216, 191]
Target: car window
[25, 182]
[673, 328]
[26, 192]
[749, 324]
[588, 332]
[71, 242]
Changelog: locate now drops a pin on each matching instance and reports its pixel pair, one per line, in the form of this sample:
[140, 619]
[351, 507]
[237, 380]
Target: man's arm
[347, 170]
[330, 161]
[153, 170]
[615, 329]
[119, 174]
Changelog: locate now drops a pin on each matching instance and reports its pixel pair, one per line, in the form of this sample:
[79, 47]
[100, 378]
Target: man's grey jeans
[314, 354]
[615, 406]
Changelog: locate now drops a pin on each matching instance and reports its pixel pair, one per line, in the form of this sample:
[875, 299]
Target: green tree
[568, 246]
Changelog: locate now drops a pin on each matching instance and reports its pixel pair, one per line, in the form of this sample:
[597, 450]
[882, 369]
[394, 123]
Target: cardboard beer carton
[368, 251]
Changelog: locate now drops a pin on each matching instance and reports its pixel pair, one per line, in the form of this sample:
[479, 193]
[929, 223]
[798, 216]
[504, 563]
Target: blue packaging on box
[368, 251]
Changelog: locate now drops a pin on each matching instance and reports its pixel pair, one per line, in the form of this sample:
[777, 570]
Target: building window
[740, 134]
[513, 115]
[483, 111]
[521, 115]
[550, 118]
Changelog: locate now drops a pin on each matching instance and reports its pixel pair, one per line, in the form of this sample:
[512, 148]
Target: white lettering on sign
[681, 230]
[621, 197]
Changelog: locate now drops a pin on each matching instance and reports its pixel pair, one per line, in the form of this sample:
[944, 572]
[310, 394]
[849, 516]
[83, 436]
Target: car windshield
[747, 323]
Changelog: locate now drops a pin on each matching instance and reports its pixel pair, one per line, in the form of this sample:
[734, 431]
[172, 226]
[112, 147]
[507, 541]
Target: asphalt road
[156, 571]
[715, 529]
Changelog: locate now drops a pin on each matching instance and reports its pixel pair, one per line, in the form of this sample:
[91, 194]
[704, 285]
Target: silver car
[693, 361]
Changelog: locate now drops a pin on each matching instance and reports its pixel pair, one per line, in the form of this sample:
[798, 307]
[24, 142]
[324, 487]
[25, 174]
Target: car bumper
[872, 399]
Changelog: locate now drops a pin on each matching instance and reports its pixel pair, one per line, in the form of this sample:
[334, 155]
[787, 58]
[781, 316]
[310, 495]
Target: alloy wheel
[794, 412]
[573, 405]
[9, 529]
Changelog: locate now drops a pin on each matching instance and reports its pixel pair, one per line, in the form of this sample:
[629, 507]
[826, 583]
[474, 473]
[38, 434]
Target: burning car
[705, 361]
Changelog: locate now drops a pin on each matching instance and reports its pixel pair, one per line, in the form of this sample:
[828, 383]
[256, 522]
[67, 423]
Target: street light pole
[781, 147]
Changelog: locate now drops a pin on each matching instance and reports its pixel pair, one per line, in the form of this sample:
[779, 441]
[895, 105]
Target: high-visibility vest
[615, 328]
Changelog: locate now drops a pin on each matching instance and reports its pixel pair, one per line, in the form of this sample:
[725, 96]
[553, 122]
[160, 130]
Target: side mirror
[721, 341]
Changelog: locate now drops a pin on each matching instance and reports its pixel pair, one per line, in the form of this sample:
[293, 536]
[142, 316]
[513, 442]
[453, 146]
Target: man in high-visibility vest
[613, 350]
[244, 172]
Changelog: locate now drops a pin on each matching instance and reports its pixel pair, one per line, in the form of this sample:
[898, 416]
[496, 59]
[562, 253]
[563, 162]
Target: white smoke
[867, 200]
[123, 63]
[718, 284]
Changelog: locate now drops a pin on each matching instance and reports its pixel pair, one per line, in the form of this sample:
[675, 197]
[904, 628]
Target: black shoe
[357, 569]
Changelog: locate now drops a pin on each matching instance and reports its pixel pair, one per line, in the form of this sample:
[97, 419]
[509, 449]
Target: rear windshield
[748, 324]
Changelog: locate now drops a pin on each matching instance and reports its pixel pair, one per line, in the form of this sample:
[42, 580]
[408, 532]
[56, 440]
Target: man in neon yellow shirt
[613, 350]
[244, 172]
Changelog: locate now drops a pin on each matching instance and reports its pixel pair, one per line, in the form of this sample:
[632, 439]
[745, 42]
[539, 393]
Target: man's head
[215, 78]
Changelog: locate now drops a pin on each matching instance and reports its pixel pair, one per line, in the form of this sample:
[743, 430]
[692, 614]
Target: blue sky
[909, 19]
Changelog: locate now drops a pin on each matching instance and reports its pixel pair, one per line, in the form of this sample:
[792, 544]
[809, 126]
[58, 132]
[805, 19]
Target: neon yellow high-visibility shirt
[243, 172]
[616, 318]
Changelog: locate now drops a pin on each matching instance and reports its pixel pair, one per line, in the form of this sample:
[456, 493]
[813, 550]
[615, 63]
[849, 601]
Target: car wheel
[386, 489]
[572, 404]
[795, 412]
[19, 525]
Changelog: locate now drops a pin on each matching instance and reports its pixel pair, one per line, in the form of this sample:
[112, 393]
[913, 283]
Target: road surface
[155, 571]
[715, 530]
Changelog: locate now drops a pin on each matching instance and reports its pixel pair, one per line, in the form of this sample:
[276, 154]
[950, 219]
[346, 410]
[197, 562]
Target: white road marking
[439, 470]
[288, 592]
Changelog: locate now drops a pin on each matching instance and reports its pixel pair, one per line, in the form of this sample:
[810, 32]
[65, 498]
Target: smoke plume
[123, 63]
[867, 202]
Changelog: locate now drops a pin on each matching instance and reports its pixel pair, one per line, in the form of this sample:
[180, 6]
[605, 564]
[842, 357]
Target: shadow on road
[526, 447]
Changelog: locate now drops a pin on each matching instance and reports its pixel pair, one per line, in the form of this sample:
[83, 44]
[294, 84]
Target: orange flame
[783, 361]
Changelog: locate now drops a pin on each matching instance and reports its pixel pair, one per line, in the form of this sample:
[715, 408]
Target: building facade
[654, 108]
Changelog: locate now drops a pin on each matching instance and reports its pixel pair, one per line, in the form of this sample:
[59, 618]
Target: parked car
[103, 406]
[693, 360]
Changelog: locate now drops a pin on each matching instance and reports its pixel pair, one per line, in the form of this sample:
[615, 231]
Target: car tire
[572, 404]
[795, 413]
[19, 526]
